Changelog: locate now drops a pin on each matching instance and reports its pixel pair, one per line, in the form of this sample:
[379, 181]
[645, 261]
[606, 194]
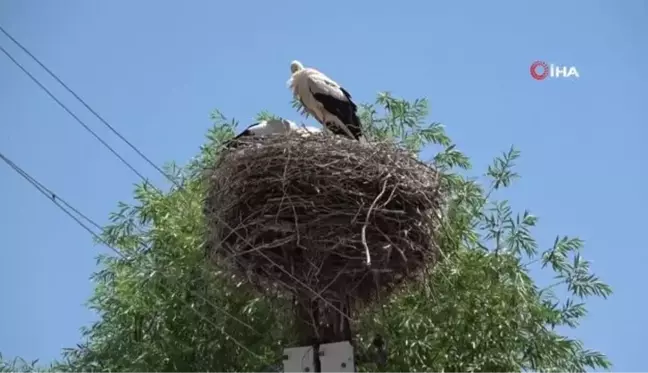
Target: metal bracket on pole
[333, 357]
[337, 357]
[299, 359]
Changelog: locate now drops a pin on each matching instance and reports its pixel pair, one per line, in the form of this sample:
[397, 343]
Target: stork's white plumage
[326, 100]
[268, 127]
[265, 128]
[273, 127]
[304, 130]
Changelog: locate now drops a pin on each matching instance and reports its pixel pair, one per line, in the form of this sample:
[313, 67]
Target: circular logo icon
[543, 67]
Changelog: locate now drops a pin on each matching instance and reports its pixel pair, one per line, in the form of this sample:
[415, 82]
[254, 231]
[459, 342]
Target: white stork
[264, 128]
[327, 101]
[271, 127]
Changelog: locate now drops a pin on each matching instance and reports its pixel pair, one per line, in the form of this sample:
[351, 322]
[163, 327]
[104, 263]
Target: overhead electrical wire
[51, 95]
[54, 197]
[66, 207]
[172, 180]
[53, 75]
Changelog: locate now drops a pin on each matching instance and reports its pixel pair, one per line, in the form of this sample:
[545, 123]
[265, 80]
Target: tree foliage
[162, 308]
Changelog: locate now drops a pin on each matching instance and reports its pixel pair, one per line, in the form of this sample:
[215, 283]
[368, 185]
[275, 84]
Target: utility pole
[324, 337]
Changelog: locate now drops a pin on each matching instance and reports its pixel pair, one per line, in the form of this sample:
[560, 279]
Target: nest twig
[323, 215]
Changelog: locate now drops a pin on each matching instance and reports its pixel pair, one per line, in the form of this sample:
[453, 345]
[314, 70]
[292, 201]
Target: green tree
[162, 308]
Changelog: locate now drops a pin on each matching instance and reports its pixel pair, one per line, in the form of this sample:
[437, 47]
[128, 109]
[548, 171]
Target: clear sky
[155, 70]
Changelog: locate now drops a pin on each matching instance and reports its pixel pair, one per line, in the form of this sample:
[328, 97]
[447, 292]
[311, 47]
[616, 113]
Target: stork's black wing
[345, 110]
[247, 132]
[232, 143]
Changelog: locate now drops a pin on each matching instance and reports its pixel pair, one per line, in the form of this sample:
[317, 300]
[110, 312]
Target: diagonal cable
[172, 180]
[96, 136]
[53, 75]
[60, 203]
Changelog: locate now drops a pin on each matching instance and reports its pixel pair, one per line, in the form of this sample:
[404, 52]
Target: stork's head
[296, 66]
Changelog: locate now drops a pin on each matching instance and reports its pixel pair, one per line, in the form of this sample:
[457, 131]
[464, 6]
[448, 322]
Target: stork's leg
[328, 126]
[343, 130]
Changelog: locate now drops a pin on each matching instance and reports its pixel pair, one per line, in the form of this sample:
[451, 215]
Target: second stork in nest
[270, 127]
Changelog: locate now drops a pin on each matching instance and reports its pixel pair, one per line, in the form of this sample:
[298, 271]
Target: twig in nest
[364, 226]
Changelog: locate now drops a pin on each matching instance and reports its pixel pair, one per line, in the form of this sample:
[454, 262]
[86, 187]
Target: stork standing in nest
[326, 100]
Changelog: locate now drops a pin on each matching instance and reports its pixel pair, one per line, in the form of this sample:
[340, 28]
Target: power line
[54, 198]
[172, 180]
[58, 201]
[53, 75]
[35, 80]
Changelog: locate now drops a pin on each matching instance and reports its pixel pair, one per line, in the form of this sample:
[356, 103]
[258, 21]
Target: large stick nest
[323, 215]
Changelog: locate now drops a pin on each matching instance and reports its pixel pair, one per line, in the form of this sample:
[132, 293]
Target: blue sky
[156, 69]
